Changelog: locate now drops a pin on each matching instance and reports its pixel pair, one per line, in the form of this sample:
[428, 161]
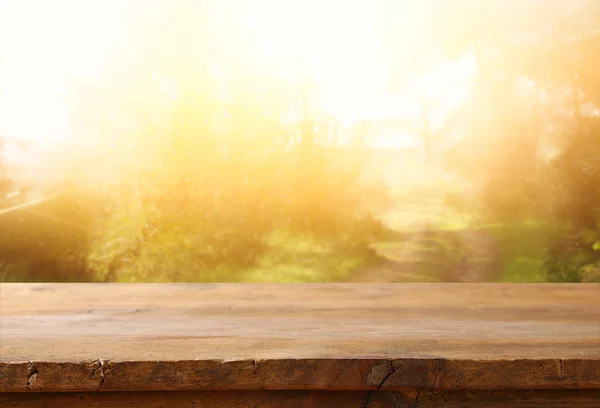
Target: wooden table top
[134, 337]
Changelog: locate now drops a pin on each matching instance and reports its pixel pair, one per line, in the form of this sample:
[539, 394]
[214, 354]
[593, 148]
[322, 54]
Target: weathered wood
[172, 337]
[300, 399]
[291, 373]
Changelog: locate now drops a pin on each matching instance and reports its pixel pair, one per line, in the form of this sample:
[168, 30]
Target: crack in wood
[366, 402]
[32, 377]
[362, 376]
[417, 399]
[392, 372]
[340, 373]
[560, 367]
[102, 370]
[436, 374]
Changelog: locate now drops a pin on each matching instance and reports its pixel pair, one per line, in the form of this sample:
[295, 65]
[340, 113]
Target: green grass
[287, 256]
[293, 257]
[14, 272]
[523, 248]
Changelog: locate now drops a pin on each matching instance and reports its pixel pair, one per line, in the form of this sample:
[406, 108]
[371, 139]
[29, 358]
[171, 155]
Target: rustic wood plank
[290, 373]
[299, 399]
[176, 337]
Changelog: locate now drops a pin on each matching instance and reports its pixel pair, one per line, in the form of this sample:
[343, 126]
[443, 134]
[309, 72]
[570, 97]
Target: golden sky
[44, 45]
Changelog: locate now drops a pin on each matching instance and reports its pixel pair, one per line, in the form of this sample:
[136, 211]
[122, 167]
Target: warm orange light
[339, 45]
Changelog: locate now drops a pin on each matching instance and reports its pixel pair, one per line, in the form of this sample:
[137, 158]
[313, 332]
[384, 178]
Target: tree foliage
[537, 97]
[194, 167]
[211, 172]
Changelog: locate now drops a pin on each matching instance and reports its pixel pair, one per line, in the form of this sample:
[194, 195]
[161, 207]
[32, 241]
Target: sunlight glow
[341, 51]
[44, 46]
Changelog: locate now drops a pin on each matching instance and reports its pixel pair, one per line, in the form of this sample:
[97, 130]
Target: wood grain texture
[336, 337]
[306, 399]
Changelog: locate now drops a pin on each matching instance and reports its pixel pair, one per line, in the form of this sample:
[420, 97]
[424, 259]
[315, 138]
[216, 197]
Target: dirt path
[425, 254]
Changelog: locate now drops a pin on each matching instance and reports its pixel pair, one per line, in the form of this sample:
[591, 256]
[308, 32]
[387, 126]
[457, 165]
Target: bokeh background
[300, 141]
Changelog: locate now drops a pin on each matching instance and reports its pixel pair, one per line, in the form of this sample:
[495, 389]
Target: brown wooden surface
[308, 399]
[148, 337]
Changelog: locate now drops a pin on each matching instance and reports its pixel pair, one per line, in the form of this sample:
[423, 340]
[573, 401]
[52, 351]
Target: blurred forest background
[300, 141]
